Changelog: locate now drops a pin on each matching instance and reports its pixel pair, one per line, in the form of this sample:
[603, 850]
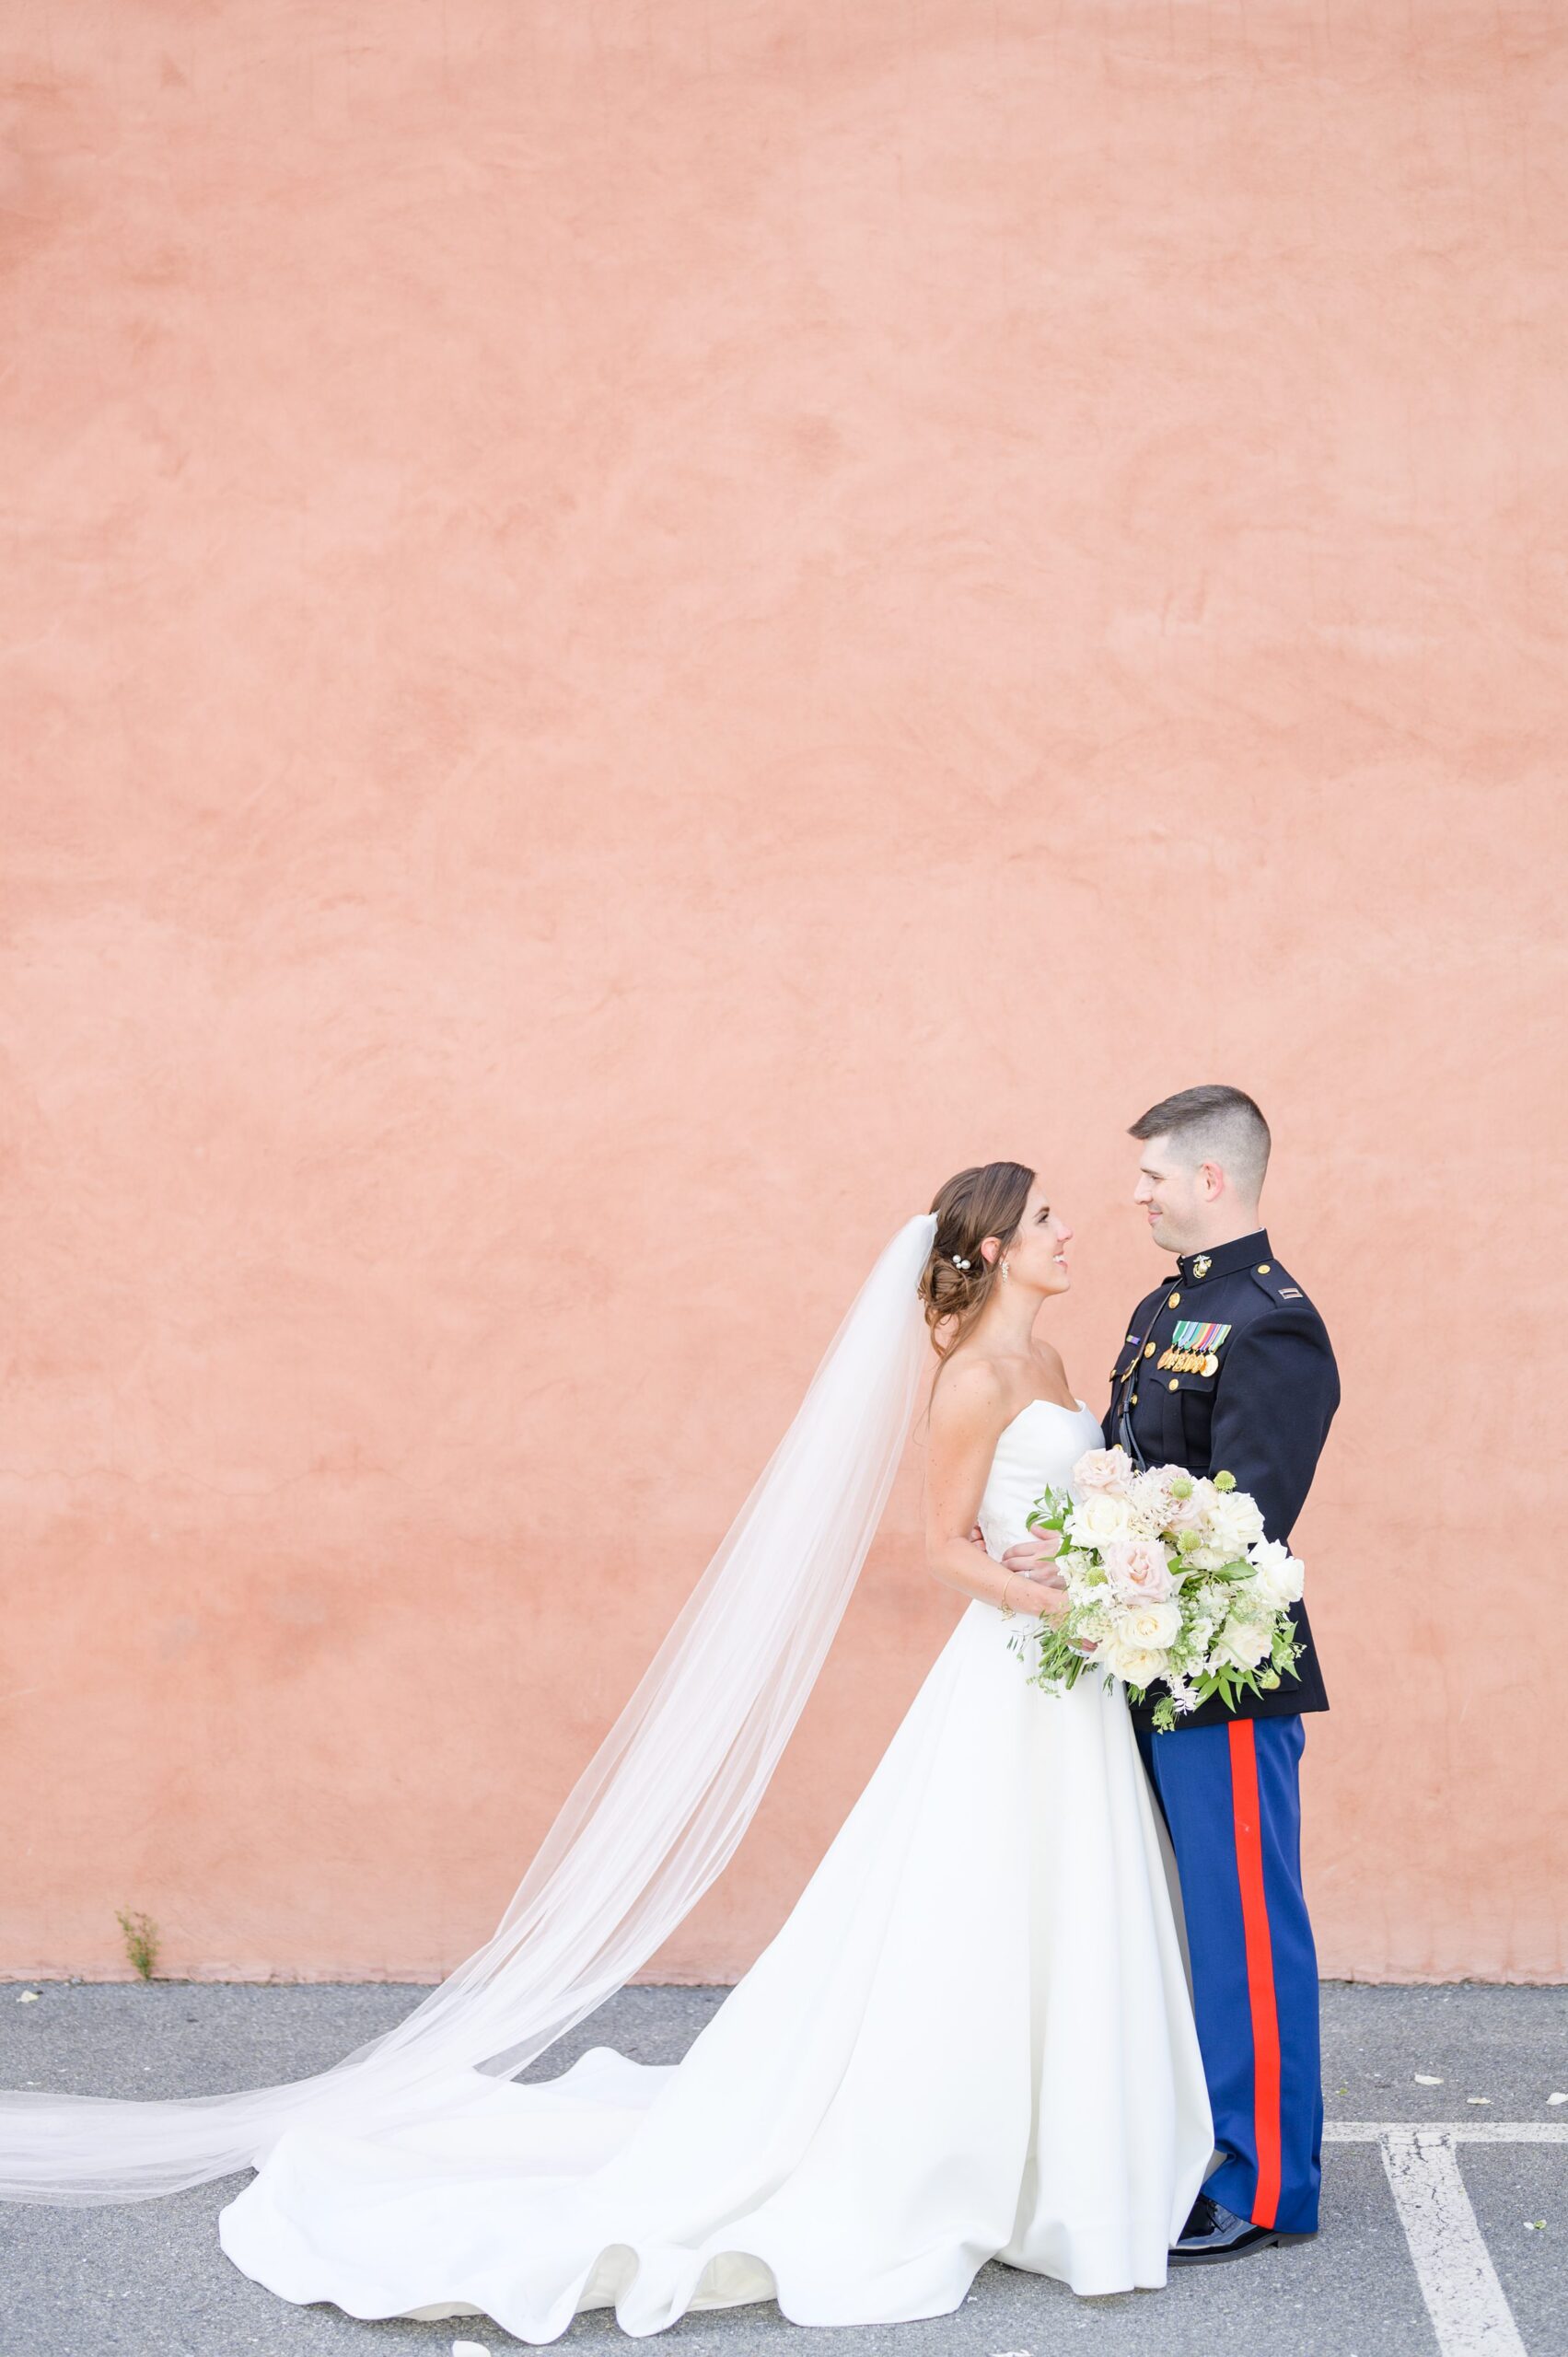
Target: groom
[1228, 1367]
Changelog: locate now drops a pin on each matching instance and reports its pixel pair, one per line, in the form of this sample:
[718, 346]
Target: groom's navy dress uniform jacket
[1261, 1413]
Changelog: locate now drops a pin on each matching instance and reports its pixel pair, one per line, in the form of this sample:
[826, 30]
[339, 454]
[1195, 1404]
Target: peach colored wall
[629, 631]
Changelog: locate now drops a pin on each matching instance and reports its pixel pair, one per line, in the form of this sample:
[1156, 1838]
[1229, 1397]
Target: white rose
[1233, 1522]
[1135, 1665]
[1241, 1644]
[1153, 1625]
[1278, 1575]
[1097, 1517]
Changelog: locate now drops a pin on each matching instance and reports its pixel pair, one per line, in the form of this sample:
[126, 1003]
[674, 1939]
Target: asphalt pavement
[1391, 2274]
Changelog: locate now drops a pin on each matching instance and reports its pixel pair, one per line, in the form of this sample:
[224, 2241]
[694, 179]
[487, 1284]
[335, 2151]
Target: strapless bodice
[1040, 1446]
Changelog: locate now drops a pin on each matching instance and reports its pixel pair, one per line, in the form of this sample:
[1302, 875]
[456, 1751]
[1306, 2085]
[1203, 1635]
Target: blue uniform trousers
[1232, 1802]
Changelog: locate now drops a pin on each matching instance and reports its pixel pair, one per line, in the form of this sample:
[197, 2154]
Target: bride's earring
[1005, 1277]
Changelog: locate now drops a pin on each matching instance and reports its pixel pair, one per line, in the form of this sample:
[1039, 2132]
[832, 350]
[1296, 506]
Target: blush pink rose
[1138, 1569]
[1188, 1514]
[1107, 1471]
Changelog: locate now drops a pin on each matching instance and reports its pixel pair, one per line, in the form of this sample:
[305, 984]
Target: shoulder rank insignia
[1194, 1348]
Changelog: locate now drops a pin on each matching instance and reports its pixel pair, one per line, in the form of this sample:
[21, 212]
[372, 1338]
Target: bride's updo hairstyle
[987, 1200]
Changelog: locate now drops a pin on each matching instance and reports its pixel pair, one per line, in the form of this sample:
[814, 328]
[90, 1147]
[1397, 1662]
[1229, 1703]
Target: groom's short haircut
[1213, 1124]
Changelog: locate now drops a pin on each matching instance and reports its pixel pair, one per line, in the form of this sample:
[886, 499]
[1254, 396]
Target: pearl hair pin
[958, 1263]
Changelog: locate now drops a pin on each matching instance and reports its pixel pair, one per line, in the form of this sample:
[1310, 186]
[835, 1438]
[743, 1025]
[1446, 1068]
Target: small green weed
[141, 1940]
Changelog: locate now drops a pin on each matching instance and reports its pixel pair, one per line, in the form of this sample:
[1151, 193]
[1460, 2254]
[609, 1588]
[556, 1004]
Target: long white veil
[652, 1820]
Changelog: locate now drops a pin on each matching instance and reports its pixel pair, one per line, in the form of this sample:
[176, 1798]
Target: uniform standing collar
[1224, 1260]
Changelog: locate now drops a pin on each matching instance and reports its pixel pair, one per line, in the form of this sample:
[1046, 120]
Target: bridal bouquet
[1168, 1575]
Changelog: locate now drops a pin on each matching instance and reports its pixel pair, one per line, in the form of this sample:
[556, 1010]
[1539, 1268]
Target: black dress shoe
[1213, 2233]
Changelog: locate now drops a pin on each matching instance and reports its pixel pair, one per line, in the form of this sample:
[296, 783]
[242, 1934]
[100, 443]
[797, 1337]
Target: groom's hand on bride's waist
[1031, 1556]
[1032, 1560]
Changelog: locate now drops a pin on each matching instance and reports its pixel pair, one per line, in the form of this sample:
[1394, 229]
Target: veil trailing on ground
[652, 1820]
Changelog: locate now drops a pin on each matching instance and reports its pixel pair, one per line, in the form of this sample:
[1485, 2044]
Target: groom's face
[1174, 1195]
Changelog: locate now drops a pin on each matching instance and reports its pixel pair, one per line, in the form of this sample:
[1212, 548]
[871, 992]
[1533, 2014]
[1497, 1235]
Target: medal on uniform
[1194, 1348]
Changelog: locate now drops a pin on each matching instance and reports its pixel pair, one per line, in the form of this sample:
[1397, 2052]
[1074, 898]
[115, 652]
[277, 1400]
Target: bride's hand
[1043, 1599]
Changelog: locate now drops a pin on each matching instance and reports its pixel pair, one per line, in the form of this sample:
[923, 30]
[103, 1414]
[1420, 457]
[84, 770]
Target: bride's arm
[969, 1412]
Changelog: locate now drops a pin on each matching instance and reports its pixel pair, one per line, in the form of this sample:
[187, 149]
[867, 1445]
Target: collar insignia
[1201, 1265]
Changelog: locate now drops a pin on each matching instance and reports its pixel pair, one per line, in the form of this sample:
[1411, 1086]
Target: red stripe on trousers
[1260, 1967]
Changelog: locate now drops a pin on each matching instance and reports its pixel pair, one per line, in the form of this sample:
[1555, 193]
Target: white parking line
[1470, 2315]
[1459, 2132]
[1453, 2266]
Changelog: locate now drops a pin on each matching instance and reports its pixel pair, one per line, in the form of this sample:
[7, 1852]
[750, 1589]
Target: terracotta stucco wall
[628, 633]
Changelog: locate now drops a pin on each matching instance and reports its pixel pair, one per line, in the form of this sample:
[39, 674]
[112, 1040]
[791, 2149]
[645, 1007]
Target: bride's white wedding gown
[971, 2040]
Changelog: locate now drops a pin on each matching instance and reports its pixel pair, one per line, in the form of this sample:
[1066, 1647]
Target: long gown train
[971, 2040]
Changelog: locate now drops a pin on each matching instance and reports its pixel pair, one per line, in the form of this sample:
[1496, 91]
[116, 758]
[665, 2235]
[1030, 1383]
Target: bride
[971, 2041]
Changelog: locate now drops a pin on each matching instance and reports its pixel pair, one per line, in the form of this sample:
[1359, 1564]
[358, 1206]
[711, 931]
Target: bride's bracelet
[1007, 1611]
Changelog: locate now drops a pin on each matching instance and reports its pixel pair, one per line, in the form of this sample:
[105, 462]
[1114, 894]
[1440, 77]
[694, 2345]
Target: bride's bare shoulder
[970, 1391]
